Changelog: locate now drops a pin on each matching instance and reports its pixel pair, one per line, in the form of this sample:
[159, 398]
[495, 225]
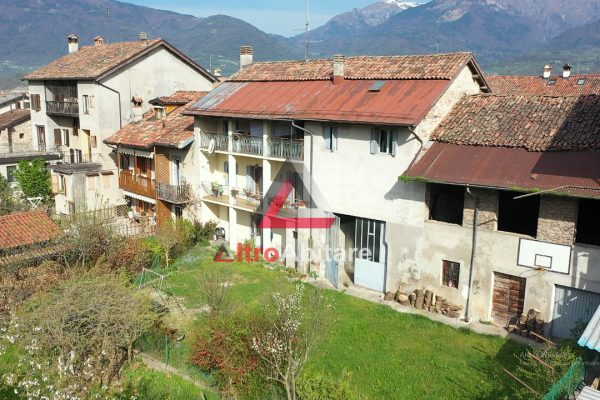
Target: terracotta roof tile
[173, 130]
[436, 66]
[178, 98]
[536, 85]
[534, 123]
[26, 228]
[91, 62]
[12, 118]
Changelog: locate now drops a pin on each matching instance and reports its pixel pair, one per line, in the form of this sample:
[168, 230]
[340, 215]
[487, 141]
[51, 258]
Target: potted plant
[235, 192]
[217, 189]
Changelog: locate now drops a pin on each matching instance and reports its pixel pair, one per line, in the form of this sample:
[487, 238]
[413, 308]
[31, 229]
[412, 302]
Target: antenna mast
[108, 24]
[306, 32]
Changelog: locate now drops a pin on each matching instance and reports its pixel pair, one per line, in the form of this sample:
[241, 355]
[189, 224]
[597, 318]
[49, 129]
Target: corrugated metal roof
[399, 102]
[591, 336]
[589, 394]
[511, 168]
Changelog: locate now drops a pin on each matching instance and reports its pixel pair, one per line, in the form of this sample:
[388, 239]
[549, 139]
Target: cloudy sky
[274, 16]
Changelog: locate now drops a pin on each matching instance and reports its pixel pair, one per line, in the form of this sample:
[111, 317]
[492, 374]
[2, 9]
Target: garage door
[508, 298]
[571, 306]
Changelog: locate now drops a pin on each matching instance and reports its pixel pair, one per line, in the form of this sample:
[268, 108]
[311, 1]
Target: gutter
[411, 129]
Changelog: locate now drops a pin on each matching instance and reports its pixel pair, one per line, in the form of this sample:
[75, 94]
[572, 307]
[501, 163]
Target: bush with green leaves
[319, 386]
[33, 178]
[8, 201]
[204, 232]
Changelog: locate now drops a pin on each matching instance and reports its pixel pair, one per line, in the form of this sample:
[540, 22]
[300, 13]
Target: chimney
[98, 41]
[547, 71]
[338, 68]
[567, 71]
[246, 56]
[73, 41]
[217, 72]
[143, 36]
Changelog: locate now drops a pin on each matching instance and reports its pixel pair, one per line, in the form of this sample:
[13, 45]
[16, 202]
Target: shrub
[132, 255]
[186, 233]
[204, 232]
[319, 386]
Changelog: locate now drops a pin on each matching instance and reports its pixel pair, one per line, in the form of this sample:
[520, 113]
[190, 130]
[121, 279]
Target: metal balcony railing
[62, 107]
[221, 141]
[285, 148]
[247, 144]
[138, 184]
[29, 151]
[176, 194]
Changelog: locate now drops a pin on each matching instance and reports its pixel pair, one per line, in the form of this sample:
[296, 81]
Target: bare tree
[167, 235]
[296, 323]
[216, 282]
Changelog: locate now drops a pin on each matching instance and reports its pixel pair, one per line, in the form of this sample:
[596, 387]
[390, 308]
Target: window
[92, 182]
[41, 134]
[86, 104]
[93, 142]
[518, 215]
[330, 136]
[58, 137]
[450, 273]
[178, 212]
[106, 181]
[26, 104]
[65, 137]
[383, 141]
[21, 135]
[552, 82]
[62, 184]
[10, 174]
[36, 101]
[446, 203]
[581, 81]
[588, 229]
[369, 239]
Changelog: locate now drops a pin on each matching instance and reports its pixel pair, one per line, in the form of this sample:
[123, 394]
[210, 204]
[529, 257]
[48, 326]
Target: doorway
[508, 298]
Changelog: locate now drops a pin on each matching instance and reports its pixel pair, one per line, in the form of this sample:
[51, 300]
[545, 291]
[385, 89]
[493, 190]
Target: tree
[168, 236]
[7, 199]
[296, 322]
[34, 179]
[76, 338]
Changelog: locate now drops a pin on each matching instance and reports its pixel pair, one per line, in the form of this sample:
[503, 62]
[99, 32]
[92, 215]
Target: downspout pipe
[119, 95]
[310, 163]
[411, 130]
[473, 252]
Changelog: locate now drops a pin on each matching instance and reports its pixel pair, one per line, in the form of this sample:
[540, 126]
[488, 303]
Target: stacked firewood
[529, 325]
[427, 300]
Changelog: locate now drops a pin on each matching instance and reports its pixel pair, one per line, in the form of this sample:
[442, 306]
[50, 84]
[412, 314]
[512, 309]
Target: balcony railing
[247, 144]
[221, 141]
[176, 194]
[29, 151]
[138, 184]
[62, 107]
[76, 158]
[285, 148]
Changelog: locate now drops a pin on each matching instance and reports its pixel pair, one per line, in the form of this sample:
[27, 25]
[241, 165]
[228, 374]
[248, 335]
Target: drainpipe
[411, 130]
[118, 94]
[473, 250]
[310, 236]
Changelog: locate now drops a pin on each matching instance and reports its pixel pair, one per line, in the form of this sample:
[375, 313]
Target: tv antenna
[108, 24]
[306, 31]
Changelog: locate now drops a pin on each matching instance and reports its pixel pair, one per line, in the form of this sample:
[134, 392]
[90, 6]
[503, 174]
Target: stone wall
[488, 209]
[557, 220]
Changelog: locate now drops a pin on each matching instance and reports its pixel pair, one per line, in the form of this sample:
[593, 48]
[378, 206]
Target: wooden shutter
[374, 141]
[54, 179]
[394, 143]
[35, 102]
[161, 165]
[57, 137]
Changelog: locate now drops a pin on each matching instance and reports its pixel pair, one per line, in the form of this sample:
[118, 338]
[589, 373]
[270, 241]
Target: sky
[284, 17]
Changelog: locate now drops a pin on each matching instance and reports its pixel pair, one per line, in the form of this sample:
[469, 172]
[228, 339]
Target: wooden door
[508, 298]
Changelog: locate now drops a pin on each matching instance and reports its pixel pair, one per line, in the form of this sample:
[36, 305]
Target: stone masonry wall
[488, 209]
[558, 219]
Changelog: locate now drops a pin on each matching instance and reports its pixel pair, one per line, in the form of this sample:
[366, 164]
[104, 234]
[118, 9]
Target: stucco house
[84, 97]
[348, 127]
[511, 216]
[14, 99]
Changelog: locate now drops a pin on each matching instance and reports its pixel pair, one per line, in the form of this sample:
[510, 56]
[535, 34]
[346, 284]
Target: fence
[569, 383]
[167, 347]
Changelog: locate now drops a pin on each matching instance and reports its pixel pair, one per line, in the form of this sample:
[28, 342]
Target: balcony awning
[591, 336]
[136, 152]
[139, 197]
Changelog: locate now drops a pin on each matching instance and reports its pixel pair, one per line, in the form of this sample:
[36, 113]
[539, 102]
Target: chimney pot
[567, 71]
[98, 41]
[547, 71]
[73, 41]
[338, 68]
[246, 56]
[143, 37]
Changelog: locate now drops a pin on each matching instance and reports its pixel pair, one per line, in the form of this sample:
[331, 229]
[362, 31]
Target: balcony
[221, 141]
[276, 147]
[66, 108]
[138, 184]
[285, 148]
[29, 152]
[176, 194]
[245, 144]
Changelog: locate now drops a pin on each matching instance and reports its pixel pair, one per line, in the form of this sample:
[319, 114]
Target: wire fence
[569, 383]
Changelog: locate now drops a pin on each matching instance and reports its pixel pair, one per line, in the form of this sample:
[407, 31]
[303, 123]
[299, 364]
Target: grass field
[384, 353]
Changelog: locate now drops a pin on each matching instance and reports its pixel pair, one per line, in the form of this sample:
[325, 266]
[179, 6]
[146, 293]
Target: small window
[10, 174]
[62, 185]
[446, 203]
[450, 273]
[581, 81]
[66, 137]
[588, 227]
[518, 215]
[330, 136]
[93, 142]
[26, 104]
[385, 141]
[178, 212]
[92, 182]
[552, 82]
[21, 135]
[377, 86]
[86, 104]
[106, 181]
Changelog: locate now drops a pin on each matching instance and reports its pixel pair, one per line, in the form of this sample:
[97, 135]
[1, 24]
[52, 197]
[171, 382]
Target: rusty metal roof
[511, 168]
[398, 102]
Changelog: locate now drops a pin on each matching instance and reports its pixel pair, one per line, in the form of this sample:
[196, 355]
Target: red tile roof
[27, 228]
[535, 123]
[511, 168]
[178, 98]
[174, 130]
[538, 86]
[94, 62]
[435, 66]
[13, 118]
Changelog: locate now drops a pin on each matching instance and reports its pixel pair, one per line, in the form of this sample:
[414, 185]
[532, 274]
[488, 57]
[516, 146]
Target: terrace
[138, 184]
[241, 143]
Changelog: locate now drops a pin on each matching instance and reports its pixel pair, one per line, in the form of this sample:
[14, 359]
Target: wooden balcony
[137, 184]
[176, 194]
[68, 108]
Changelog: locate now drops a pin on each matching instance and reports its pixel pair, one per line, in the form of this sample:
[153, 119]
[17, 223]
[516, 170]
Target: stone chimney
[73, 41]
[143, 37]
[547, 71]
[218, 72]
[567, 71]
[98, 41]
[338, 68]
[246, 56]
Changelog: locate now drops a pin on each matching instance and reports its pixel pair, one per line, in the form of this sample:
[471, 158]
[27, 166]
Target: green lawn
[384, 353]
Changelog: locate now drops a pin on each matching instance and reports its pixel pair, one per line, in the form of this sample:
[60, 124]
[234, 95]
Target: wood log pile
[529, 325]
[427, 300]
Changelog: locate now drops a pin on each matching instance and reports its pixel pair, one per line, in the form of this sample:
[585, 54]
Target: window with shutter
[66, 137]
[57, 137]
[330, 136]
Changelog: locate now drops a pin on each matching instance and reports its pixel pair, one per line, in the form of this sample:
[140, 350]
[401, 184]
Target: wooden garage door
[508, 298]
